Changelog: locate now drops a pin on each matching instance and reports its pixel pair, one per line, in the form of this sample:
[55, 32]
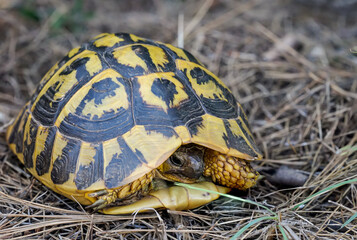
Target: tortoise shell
[116, 108]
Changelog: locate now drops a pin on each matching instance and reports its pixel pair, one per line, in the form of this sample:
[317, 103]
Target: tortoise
[120, 114]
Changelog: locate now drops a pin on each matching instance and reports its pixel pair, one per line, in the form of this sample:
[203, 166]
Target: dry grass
[290, 67]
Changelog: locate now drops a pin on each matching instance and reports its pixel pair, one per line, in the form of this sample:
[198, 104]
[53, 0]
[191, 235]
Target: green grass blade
[348, 150]
[354, 50]
[243, 229]
[225, 195]
[324, 191]
[282, 230]
[349, 220]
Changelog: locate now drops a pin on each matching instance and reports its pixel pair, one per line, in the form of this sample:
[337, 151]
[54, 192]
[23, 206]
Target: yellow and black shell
[116, 108]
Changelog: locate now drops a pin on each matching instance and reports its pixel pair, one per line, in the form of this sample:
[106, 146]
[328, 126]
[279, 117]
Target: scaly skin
[229, 171]
[101, 199]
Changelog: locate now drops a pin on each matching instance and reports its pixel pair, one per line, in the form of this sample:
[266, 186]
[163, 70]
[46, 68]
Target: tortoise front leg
[173, 198]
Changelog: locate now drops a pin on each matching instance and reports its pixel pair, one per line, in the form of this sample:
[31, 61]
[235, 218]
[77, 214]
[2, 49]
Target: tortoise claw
[98, 193]
[104, 198]
[97, 205]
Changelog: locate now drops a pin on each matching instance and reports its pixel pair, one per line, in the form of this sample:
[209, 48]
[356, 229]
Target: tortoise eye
[175, 161]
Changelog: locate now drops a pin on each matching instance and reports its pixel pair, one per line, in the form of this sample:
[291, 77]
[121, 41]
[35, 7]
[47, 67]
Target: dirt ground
[289, 63]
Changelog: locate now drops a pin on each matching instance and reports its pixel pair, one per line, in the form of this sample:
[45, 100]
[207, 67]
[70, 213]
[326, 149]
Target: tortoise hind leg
[104, 197]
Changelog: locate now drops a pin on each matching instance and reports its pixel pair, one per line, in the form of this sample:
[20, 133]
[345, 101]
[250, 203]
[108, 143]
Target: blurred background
[290, 63]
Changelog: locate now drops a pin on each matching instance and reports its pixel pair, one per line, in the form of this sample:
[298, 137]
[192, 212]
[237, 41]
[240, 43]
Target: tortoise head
[185, 165]
[191, 162]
